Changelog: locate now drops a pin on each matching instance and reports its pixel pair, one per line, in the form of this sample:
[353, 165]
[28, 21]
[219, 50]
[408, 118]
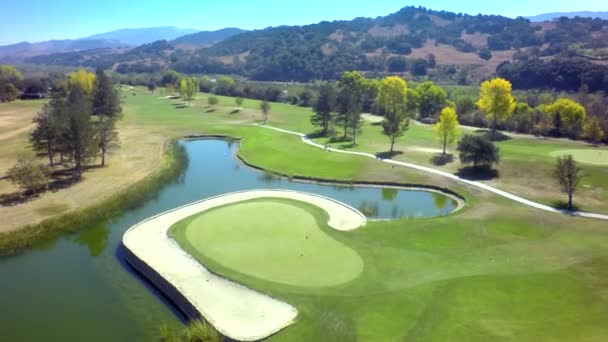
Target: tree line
[75, 128]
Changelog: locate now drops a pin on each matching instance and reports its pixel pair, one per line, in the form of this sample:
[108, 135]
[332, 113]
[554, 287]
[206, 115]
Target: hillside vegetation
[414, 40]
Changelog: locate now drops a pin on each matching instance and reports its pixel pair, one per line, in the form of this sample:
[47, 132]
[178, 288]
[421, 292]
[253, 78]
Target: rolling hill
[205, 38]
[414, 41]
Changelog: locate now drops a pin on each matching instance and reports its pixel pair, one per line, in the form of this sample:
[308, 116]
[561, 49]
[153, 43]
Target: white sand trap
[425, 149]
[372, 118]
[234, 310]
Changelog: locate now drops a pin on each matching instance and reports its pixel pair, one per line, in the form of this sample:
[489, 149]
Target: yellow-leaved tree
[568, 116]
[83, 78]
[496, 101]
[447, 129]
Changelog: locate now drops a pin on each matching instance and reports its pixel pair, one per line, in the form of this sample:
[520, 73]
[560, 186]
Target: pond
[77, 287]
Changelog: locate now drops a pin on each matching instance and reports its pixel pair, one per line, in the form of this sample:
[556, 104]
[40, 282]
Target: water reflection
[95, 239]
[389, 194]
[440, 200]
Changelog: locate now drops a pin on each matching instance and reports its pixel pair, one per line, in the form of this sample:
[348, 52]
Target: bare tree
[568, 175]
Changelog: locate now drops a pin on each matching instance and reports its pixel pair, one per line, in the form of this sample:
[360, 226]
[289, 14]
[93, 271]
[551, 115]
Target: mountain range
[555, 15]
[119, 39]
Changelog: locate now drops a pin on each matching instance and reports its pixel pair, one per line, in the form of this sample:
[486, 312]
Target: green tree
[568, 116]
[238, 101]
[323, 107]
[151, 87]
[348, 101]
[392, 100]
[10, 78]
[496, 101]
[10, 74]
[478, 150]
[447, 127]
[431, 99]
[106, 100]
[212, 100]
[79, 133]
[29, 175]
[8, 92]
[225, 85]
[265, 108]
[46, 136]
[568, 175]
[107, 136]
[306, 98]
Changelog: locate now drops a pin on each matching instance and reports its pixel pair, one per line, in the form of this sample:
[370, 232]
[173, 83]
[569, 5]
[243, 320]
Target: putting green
[589, 156]
[275, 239]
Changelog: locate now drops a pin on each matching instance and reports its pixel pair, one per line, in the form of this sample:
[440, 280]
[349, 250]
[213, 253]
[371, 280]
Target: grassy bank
[173, 162]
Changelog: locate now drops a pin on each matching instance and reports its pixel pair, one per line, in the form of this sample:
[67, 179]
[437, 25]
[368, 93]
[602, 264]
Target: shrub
[29, 175]
[478, 150]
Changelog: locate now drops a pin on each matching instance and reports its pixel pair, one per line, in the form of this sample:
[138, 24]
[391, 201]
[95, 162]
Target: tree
[213, 100]
[107, 137]
[348, 101]
[593, 130]
[265, 108]
[568, 175]
[46, 136]
[78, 135]
[418, 67]
[431, 99]
[205, 85]
[392, 100]
[496, 101]
[170, 78]
[478, 150]
[10, 77]
[225, 85]
[29, 175]
[151, 87]
[238, 101]
[9, 74]
[431, 61]
[323, 107]
[447, 127]
[568, 116]
[84, 79]
[306, 98]
[8, 92]
[485, 53]
[188, 87]
[106, 100]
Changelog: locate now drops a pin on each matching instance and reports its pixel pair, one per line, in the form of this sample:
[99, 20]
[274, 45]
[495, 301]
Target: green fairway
[597, 157]
[278, 240]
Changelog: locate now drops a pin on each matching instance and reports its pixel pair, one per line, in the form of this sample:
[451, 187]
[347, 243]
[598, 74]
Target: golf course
[419, 269]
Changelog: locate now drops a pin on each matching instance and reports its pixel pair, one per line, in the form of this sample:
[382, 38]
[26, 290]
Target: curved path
[234, 310]
[499, 192]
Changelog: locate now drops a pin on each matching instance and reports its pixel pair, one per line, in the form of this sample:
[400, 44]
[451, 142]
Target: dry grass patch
[139, 156]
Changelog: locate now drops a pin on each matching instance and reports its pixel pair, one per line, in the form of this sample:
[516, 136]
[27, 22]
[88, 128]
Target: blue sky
[37, 20]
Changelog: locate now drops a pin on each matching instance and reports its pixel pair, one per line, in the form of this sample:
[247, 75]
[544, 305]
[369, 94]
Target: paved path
[499, 192]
